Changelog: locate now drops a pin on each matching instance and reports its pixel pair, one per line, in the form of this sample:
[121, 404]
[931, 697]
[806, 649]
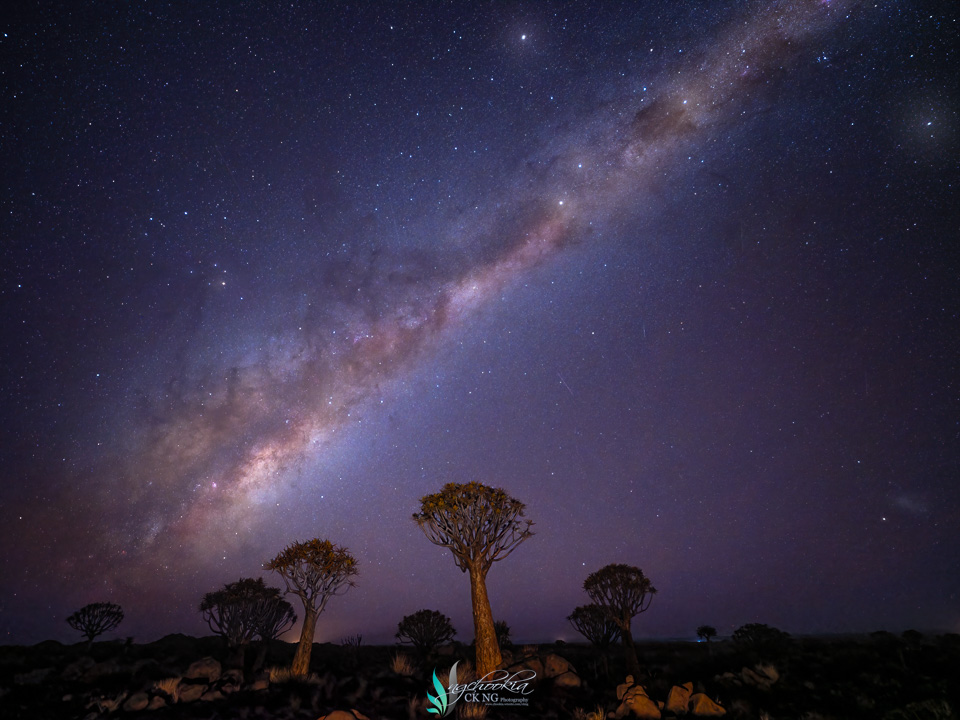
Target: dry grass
[465, 673]
[471, 711]
[402, 665]
[170, 686]
[598, 714]
[284, 675]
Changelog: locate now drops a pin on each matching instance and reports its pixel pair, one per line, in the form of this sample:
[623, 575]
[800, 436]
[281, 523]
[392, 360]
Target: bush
[760, 638]
[425, 630]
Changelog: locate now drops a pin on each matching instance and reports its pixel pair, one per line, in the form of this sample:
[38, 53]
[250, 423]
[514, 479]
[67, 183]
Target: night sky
[683, 277]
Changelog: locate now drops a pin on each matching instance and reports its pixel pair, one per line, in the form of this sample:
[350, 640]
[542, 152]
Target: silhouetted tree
[314, 571]
[760, 638]
[622, 592]
[502, 631]
[425, 630]
[243, 610]
[595, 625]
[275, 619]
[480, 525]
[95, 619]
[706, 632]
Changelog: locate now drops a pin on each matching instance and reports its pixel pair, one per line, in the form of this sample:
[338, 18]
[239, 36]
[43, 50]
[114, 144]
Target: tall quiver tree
[314, 571]
[480, 525]
[95, 619]
[622, 591]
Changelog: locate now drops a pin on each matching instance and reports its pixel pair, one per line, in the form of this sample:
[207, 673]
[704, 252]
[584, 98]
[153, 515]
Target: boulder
[640, 705]
[635, 703]
[211, 695]
[76, 669]
[703, 706]
[137, 702]
[207, 668]
[568, 679]
[34, 677]
[191, 693]
[678, 700]
[555, 665]
[345, 715]
[769, 670]
[100, 670]
[530, 664]
[623, 687]
[157, 702]
[754, 679]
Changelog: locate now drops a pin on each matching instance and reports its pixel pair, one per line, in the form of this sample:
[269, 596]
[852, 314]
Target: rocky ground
[910, 677]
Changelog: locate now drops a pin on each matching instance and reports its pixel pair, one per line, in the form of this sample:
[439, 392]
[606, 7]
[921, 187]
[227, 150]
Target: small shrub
[402, 665]
[760, 638]
[425, 630]
[286, 676]
[472, 711]
[597, 714]
[169, 686]
[502, 630]
[352, 641]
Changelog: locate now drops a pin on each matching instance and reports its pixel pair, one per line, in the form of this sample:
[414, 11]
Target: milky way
[241, 416]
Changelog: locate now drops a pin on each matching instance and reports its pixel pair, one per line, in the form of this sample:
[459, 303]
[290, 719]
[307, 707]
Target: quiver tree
[706, 632]
[760, 638]
[622, 592]
[480, 525]
[425, 630]
[314, 571]
[245, 609]
[595, 625]
[95, 619]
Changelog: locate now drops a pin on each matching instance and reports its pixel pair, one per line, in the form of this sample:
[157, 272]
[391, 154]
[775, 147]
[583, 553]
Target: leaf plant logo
[442, 703]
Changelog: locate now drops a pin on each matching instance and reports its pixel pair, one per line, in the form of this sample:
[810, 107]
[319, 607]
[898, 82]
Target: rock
[345, 715]
[623, 687]
[211, 695]
[137, 702]
[157, 702]
[640, 705]
[100, 670]
[34, 677]
[207, 668]
[555, 665]
[769, 670]
[533, 664]
[703, 706]
[678, 700]
[232, 677]
[110, 704]
[568, 679]
[191, 693]
[76, 669]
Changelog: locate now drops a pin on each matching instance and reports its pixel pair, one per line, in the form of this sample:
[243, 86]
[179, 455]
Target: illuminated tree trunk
[488, 651]
[301, 661]
[630, 653]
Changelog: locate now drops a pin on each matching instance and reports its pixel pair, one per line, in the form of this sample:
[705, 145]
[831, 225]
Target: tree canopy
[245, 609]
[314, 571]
[425, 630]
[95, 619]
[623, 591]
[595, 625]
[479, 524]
